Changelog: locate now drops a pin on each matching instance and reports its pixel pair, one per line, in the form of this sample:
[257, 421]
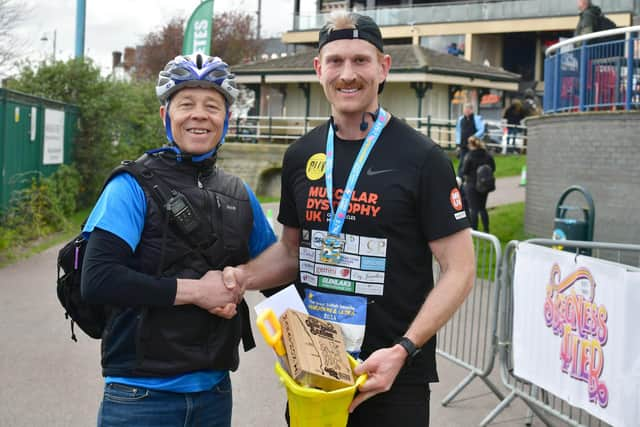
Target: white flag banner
[575, 331]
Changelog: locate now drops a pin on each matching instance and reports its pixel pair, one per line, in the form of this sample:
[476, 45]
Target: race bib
[348, 312]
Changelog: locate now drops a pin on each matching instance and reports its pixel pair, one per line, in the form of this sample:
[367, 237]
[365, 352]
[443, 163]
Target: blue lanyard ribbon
[338, 216]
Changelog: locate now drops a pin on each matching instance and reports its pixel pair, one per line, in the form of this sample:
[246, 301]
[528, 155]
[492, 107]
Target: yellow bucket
[309, 407]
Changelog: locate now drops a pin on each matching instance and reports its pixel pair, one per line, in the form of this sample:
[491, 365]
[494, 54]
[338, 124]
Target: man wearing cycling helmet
[172, 332]
[366, 201]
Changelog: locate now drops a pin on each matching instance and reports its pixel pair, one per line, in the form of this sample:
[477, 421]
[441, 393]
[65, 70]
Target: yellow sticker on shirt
[316, 165]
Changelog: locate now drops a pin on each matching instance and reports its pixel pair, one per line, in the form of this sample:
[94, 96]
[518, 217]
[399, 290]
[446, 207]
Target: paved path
[508, 190]
[48, 380]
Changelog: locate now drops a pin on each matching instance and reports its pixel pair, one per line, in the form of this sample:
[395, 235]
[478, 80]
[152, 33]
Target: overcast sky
[114, 24]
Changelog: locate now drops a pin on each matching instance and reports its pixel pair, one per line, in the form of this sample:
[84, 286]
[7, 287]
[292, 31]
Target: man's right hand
[210, 293]
[214, 293]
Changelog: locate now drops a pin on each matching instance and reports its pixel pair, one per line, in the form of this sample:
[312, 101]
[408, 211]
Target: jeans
[477, 206]
[461, 156]
[123, 405]
[512, 134]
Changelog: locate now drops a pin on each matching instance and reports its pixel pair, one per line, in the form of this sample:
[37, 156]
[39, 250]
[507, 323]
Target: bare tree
[12, 14]
[233, 39]
[158, 48]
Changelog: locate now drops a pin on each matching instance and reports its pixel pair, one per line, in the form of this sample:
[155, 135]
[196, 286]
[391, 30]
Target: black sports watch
[411, 349]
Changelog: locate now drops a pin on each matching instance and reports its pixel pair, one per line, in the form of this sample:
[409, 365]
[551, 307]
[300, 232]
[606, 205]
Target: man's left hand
[382, 368]
[228, 311]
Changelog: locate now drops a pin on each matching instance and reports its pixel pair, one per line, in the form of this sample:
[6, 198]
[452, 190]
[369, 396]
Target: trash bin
[309, 407]
[571, 228]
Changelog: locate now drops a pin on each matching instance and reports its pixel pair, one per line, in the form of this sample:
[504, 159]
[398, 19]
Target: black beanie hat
[366, 29]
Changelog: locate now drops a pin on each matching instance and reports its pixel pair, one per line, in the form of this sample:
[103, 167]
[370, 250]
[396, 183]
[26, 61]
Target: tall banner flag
[197, 35]
[575, 329]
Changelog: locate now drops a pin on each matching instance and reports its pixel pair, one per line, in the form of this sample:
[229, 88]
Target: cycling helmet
[196, 70]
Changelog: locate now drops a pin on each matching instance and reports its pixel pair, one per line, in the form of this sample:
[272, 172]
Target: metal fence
[469, 339]
[465, 11]
[499, 136]
[542, 402]
[597, 71]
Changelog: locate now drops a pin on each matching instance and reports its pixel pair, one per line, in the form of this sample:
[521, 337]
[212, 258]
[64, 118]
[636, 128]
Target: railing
[500, 137]
[596, 71]
[469, 11]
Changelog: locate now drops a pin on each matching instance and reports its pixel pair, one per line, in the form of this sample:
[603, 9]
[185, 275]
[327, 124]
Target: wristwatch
[411, 349]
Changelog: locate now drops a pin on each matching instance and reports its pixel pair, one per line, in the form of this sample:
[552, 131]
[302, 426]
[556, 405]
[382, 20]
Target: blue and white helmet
[196, 70]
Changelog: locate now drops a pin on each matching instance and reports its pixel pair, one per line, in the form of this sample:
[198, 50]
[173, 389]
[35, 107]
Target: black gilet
[165, 341]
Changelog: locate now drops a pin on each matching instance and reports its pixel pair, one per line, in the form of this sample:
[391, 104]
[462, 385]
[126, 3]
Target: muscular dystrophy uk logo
[571, 311]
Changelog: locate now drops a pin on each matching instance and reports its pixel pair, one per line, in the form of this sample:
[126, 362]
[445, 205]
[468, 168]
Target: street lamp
[44, 38]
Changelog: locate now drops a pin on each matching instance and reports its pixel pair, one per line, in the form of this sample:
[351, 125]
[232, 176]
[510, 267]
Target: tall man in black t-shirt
[366, 202]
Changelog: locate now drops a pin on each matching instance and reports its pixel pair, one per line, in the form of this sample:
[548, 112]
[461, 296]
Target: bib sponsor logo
[367, 276]
[333, 271]
[456, 199]
[373, 247]
[317, 238]
[375, 264]
[346, 260]
[369, 289]
[307, 266]
[315, 166]
[307, 254]
[309, 279]
[336, 284]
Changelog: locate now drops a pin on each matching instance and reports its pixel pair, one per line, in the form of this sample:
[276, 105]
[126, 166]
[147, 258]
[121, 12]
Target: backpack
[91, 318]
[485, 180]
[603, 23]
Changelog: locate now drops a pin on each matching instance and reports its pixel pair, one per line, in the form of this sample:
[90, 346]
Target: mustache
[356, 84]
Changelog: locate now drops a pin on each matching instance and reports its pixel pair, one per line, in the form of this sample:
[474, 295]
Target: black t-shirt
[405, 197]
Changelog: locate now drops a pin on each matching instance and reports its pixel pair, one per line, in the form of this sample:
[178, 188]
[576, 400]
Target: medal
[333, 245]
[332, 248]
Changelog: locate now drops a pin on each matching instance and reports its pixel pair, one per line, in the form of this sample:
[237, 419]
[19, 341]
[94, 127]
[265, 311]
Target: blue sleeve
[479, 126]
[458, 132]
[121, 210]
[262, 235]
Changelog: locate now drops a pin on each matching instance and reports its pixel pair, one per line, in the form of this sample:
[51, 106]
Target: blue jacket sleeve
[262, 235]
[121, 210]
[480, 126]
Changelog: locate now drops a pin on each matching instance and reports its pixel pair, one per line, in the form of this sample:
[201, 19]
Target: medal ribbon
[338, 216]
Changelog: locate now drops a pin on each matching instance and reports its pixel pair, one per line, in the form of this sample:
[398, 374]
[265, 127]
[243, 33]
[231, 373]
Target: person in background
[513, 115]
[454, 50]
[468, 125]
[476, 196]
[588, 18]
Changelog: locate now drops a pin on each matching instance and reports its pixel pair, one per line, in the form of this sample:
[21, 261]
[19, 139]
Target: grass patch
[506, 165]
[507, 222]
[15, 253]
[268, 199]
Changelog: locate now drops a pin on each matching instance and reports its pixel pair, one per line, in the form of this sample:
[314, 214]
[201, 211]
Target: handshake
[218, 292]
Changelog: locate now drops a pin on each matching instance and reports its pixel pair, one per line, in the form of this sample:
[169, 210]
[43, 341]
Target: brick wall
[600, 151]
[260, 165]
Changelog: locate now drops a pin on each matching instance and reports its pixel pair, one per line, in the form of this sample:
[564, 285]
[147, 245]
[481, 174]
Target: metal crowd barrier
[597, 71]
[542, 402]
[469, 339]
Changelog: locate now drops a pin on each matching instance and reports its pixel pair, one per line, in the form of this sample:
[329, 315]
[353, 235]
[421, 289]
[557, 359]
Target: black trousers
[477, 206]
[405, 405]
